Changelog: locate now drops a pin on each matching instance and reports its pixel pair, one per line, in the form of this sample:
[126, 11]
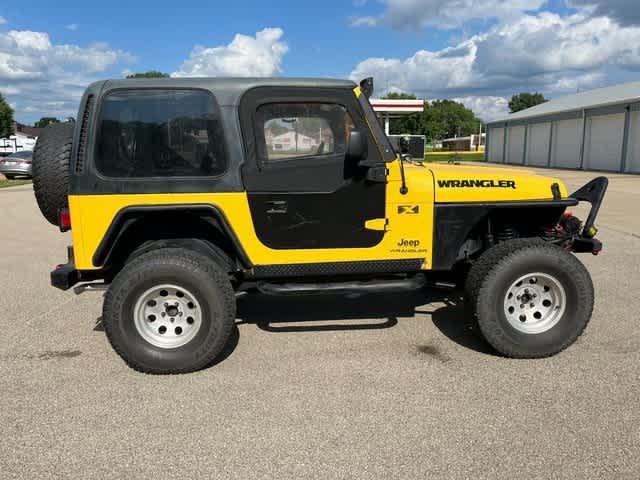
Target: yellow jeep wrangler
[179, 193]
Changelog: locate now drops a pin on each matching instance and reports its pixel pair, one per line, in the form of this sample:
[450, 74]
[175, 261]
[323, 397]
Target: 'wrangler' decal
[476, 183]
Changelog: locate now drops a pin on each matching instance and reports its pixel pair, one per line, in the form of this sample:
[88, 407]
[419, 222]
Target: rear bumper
[65, 276]
[15, 170]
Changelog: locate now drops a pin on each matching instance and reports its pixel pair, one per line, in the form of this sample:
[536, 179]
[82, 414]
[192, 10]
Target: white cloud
[9, 90]
[245, 56]
[3, 21]
[72, 26]
[445, 14]
[41, 77]
[625, 12]
[365, 21]
[425, 71]
[535, 52]
[486, 108]
[31, 55]
[580, 82]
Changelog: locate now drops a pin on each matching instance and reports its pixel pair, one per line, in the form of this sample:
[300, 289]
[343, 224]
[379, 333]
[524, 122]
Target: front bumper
[593, 193]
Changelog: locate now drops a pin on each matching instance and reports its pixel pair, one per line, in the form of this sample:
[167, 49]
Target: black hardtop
[228, 90]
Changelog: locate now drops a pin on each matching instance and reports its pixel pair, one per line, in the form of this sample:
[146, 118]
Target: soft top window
[160, 133]
[297, 130]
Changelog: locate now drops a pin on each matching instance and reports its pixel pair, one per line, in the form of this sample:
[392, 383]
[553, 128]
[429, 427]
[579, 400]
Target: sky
[479, 52]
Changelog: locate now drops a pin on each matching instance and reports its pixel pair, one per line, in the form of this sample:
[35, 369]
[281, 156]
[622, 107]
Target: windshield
[22, 154]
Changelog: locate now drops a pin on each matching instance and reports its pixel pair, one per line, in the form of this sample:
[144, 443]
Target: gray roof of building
[601, 97]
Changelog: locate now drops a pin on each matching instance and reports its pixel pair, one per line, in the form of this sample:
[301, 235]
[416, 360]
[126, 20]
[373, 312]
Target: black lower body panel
[337, 268]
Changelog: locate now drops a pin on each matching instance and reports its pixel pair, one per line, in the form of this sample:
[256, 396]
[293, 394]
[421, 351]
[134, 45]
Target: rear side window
[160, 133]
[296, 130]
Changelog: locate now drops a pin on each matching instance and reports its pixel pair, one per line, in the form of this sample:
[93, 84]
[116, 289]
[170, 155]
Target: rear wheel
[169, 311]
[535, 301]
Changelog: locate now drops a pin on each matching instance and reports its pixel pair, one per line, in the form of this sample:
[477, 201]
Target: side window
[160, 133]
[298, 130]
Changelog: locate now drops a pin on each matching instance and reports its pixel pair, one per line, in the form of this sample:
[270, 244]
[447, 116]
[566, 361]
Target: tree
[149, 74]
[399, 96]
[6, 118]
[522, 101]
[440, 119]
[46, 121]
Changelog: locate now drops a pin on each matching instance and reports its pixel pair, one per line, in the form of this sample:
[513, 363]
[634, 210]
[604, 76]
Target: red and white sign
[397, 106]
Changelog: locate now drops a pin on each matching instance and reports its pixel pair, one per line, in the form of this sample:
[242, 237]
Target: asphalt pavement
[318, 387]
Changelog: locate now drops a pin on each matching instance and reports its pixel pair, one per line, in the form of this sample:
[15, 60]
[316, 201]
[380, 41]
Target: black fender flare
[126, 217]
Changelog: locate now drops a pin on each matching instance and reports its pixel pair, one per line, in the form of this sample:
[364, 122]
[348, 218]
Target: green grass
[454, 156]
[12, 183]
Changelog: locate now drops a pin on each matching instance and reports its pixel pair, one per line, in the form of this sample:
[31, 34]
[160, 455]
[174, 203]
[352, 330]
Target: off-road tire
[479, 270]
[191, 270]
[51, 169]
[513, 260]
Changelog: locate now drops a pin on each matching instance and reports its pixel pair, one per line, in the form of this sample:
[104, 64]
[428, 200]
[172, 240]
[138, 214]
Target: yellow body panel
[408, 234]
[526, 184]
[408, 224]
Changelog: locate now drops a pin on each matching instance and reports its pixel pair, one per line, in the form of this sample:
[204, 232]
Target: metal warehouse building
[596, 130]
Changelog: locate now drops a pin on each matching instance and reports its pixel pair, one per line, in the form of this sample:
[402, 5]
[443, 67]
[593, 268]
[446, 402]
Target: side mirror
[357, 148]
[366, 86]
[404, 145]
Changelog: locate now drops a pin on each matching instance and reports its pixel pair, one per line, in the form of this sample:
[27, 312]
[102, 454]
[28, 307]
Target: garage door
[603, 142]
[515, 145]
[496, 145]
[538, 139]
[565, 151]
[633, 152]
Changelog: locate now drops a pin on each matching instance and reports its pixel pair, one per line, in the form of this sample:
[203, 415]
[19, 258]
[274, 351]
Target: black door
[304, 192]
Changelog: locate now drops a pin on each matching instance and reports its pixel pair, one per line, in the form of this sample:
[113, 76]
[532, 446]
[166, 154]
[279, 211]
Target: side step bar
[365, 286]
[90, 287]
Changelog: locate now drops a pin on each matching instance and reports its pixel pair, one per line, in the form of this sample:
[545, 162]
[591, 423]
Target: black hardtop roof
[228, 90]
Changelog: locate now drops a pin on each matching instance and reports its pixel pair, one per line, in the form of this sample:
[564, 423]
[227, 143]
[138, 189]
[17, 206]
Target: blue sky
[477, 51]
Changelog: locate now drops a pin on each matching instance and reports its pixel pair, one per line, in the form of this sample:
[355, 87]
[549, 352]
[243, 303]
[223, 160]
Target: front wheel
[535, 301]
[170, 310]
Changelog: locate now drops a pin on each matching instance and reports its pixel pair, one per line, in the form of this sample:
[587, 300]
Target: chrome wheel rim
[167, 316]
[535, 303]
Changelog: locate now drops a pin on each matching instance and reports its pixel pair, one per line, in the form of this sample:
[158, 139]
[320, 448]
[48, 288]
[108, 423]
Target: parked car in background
[17, 164]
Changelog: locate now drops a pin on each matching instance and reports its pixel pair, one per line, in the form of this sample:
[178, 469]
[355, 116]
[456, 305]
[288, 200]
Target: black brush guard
[593, 192]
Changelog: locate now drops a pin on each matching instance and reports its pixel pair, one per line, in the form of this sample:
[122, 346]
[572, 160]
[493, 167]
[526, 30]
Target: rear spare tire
[51, 169]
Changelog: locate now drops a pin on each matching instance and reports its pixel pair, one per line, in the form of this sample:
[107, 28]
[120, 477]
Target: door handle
[276, 206]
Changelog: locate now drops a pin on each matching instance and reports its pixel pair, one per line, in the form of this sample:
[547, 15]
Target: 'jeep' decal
[476, 183]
